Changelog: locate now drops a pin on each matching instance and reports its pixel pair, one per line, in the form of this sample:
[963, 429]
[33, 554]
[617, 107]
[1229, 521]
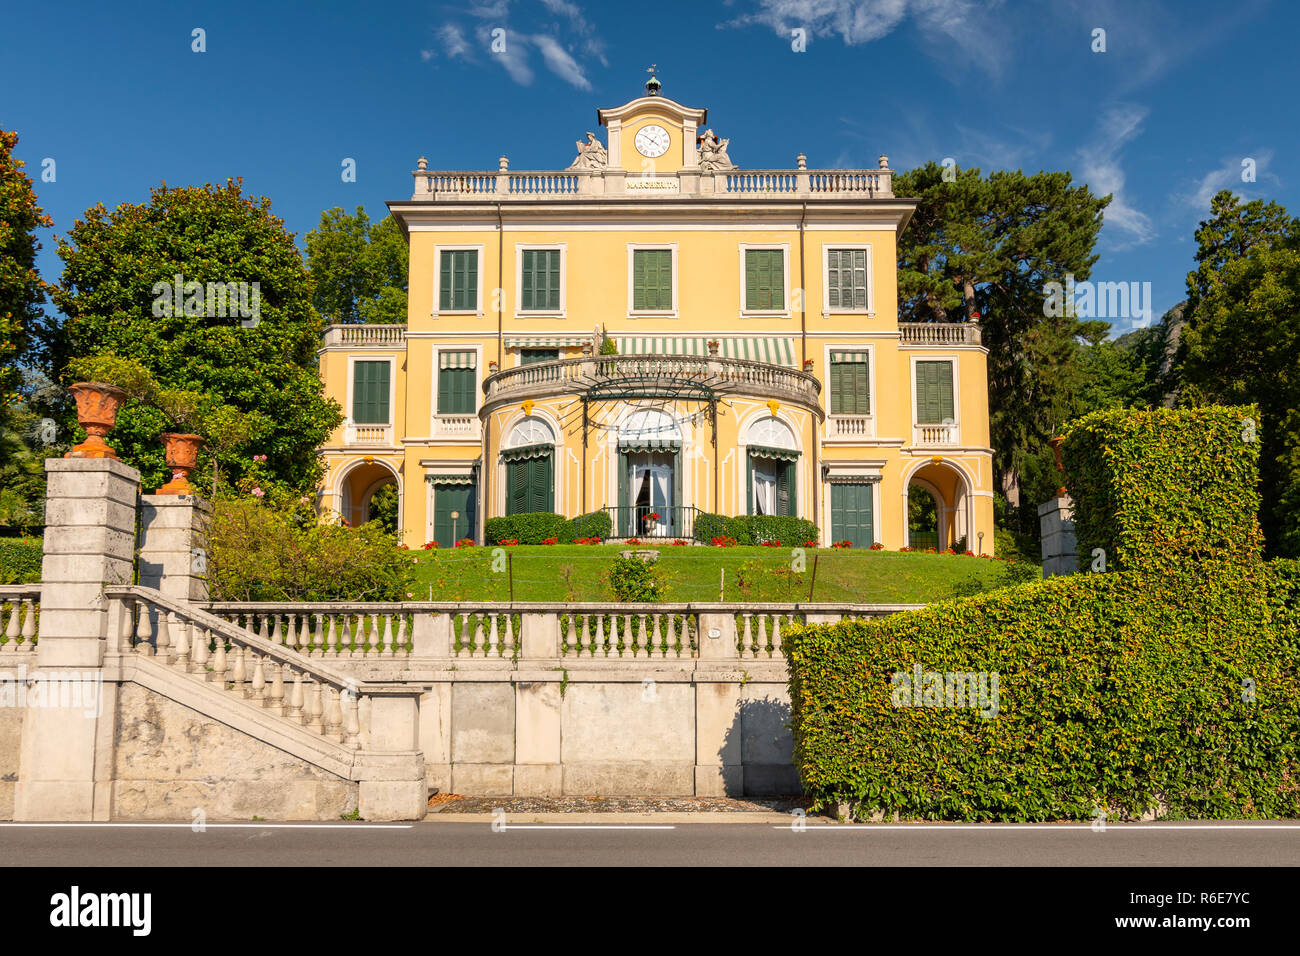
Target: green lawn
[576, 573]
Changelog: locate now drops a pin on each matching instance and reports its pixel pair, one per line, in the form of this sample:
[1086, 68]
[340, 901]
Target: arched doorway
[938, 507]
[771, 475]
[923, 510]
[369, 491]
[649, 475]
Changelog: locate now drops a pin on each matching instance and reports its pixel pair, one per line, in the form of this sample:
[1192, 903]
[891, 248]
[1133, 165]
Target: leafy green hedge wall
[595, 524]
[20, 560]
[1156, 487]
[755, 529]
[532, 528]
[1116, 691]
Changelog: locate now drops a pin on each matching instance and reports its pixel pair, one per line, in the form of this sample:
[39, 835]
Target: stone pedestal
[89, 543]
[1055, 521]
[174, 545]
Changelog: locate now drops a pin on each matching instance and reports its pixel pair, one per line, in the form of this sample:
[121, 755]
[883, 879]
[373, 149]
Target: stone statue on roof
[591, 154]
[713, 153]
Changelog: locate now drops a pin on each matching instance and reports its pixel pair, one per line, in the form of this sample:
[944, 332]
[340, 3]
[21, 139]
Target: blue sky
[1184, 92]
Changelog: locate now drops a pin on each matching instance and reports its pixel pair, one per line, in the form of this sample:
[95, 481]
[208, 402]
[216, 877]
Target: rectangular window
[846, 279]
[530, 485]
[457, 381]
[764, 280]
[652, 280]
[370, 381]
[850, 383]
[540, 280]
[934, 398]
[458, 280]
[771, 486]
[529, 356]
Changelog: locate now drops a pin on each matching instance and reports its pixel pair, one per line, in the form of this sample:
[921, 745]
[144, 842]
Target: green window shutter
[934, 397]
[850, 388]
[652, 279]
[516, 488]
[846, 279]
[370, 393]
[444, 280]
[541, 484]
[456, 391]
[764, 279]
[529, 356]
[541, 280]
[785, 489]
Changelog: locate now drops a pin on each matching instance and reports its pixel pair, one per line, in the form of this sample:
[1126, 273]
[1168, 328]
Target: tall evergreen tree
[360, 271]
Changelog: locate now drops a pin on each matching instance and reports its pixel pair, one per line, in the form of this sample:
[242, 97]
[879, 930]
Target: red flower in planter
[465, 543]
[508, 542]
[771, 544]
[846, 543]
[810, 544]
[550, 541]
[877, 546]
[652, 516]
[430, 545]
[722, 541]
[679, 542]
[633, 540]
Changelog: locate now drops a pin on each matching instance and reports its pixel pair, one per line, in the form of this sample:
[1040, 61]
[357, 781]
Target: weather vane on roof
[652, 85]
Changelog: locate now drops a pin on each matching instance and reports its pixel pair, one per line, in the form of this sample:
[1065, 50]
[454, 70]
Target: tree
[360, 271]
[22, 292]
[116, 294]
[984, 250]
[1242, 339]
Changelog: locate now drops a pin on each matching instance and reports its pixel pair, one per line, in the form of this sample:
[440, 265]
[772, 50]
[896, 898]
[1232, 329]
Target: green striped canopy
[546, 341]
[859, 357]
[456, 360]
[769, 349]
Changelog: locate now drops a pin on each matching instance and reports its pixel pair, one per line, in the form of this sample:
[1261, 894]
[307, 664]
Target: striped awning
[457, 359]
[771, 349]
[649, 443]
[546, 341]
[856, 357]
[780, 454]
[449, 479]
[526, 451]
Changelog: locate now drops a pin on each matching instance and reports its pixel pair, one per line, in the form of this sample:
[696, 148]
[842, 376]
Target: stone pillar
[174, 545]
[719, 758]
[431, 634]
[540, 635]
[89, 543]
[537, 739]
[1060, 552]
[718, 637]
[393, 784]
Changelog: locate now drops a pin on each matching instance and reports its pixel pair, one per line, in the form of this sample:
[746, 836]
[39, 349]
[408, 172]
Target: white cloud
[944, 23]
[559, 62]
[515, 53]
[1100, 169]
[1227, 176]
[454, 44]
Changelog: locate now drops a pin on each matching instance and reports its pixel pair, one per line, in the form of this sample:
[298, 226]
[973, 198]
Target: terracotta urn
[97, 408]
[712, 346]
[1056, 450]
[182, 457]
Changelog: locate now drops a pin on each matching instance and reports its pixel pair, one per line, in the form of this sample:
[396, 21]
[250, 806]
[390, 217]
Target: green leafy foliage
[20, 560]
[530, 528]
[360, 271]
[279, 551]
[1115, 692]
[212, 234]
[594, 524]
[755, 529]
[22, 290]
[634, 580]
[1160, 487]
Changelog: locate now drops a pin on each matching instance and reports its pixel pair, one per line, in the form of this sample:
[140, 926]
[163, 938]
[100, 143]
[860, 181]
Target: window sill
[757, 314]
[827, 313]
[441, 312]
[542, 315]
[673, 314]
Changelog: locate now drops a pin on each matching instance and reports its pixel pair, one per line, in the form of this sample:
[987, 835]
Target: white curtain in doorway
[764, 492]
[640, 475]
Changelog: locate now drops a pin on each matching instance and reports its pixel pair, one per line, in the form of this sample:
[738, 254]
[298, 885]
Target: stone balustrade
[354, 336]
[939, 333]
[20, 608]
[549, 185]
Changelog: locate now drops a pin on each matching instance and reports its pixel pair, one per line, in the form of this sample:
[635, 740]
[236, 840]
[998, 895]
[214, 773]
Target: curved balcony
[614, 377]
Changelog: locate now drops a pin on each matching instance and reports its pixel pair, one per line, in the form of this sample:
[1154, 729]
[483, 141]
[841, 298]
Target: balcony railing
[477, 185]
[456, 426]
[605, 371]
[366, 336]
[939, 333]
[944, 434]
[852, 426]
[646, 522]
[378, 435]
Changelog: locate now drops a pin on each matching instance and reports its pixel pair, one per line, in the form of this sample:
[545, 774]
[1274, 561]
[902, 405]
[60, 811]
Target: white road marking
[1076, 827]
[228, 826]
[587, 826]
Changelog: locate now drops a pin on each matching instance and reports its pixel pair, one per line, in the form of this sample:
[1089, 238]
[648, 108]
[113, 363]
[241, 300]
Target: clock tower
[653, 135]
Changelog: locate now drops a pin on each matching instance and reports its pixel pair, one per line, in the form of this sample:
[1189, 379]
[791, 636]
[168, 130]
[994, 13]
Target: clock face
[652, 141]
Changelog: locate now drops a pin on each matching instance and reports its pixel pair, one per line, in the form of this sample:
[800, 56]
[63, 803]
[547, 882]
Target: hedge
[755, 529]
[20, 560]
[1118, 691]
[595, 524]
[1157, 487]
[532, 528]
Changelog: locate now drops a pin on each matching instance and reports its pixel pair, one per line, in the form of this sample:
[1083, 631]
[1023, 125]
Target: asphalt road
[445, 843]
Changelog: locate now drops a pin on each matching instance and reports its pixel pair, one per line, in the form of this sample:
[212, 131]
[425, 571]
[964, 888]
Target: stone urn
[97, 408]
[182, 451]
[1056, 450]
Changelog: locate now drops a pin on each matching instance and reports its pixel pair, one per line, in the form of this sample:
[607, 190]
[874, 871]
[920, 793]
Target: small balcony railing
[645, 522]
[365, 336]
[947, 433]
[373, 435]
[939, 333]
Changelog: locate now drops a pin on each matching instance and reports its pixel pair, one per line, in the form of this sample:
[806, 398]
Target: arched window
[529, 457]
[773, 459]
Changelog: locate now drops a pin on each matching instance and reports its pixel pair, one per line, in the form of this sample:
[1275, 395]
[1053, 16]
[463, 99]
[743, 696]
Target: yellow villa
[656, 333]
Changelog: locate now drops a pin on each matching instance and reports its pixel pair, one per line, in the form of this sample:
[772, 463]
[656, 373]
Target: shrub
[465, 543]
[532, 528]
[551, 541]
[1158, 487]
[261, 553]
[634, 580]
[754, 529]
[722, 541]
[594, 524]
[20, 560]
[1116, 691]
